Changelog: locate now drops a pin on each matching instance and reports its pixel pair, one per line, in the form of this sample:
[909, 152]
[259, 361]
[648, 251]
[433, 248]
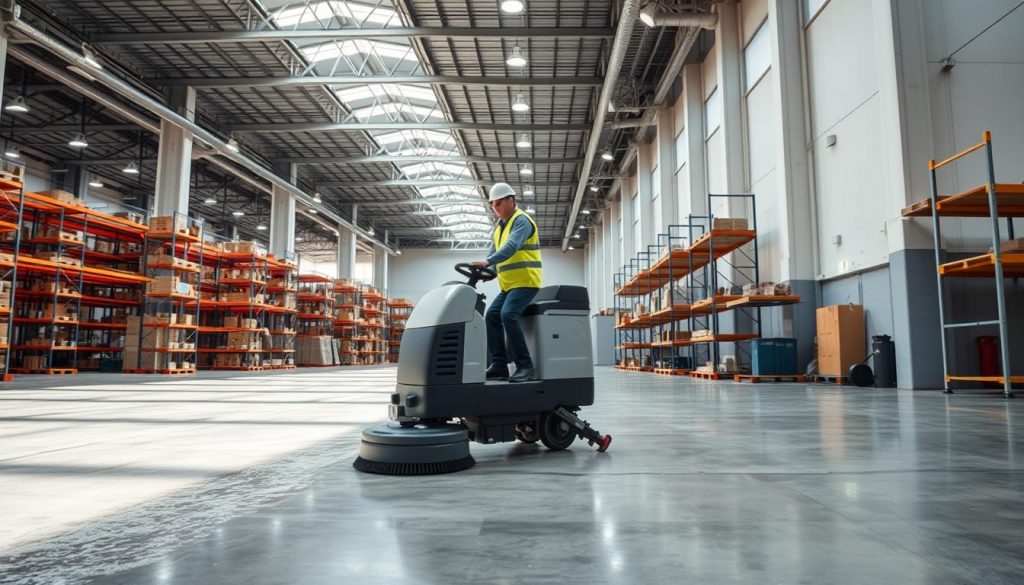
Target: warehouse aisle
[705, 483]
[78, 449]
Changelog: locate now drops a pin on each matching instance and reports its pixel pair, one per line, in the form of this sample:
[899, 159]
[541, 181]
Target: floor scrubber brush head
[391, 449]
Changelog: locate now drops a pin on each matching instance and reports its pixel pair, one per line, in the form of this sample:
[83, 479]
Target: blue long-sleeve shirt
[521, 230]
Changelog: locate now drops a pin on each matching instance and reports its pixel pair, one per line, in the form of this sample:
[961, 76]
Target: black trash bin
[883, 351]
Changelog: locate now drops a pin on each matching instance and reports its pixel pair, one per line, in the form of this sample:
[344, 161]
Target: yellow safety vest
[522, 269]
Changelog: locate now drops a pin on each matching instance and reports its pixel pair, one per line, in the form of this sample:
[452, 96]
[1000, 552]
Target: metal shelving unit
[707, 264]
[993, 201]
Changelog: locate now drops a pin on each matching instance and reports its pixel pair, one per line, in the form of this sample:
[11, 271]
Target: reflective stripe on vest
[522, 269]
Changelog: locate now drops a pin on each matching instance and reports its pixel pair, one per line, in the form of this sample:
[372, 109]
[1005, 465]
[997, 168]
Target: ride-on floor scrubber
[443, 400]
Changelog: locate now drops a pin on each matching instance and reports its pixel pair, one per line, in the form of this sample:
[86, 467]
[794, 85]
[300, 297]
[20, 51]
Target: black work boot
[524, 375]
[497, 372]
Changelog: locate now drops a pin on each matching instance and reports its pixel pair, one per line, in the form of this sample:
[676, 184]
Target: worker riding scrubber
[515, 255]
[444, 398]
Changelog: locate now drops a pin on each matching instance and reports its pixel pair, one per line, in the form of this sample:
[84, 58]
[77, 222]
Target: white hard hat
[500, 191]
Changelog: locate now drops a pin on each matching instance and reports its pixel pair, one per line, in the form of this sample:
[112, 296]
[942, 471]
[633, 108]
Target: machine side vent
[447, 354]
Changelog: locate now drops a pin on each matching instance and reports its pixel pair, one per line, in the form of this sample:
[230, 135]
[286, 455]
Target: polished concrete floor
[249, 481]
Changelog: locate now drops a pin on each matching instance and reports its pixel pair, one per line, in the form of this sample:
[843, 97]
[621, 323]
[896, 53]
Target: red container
[988, 355]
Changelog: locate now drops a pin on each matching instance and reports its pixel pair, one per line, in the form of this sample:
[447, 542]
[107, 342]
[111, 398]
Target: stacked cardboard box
[767, 289]
[674, 295]
[168, 284]
[841, 338]
[163, 259]
[53, 256]
[318, 350]
[679, 335]
[730, 224]
[34, 362]
[168, 223]
[62, 196]
[131, 216]
[244, 248]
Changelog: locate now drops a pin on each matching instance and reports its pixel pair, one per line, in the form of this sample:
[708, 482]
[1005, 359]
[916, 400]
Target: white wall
[983, 91]
[418, 271]
[850, 185]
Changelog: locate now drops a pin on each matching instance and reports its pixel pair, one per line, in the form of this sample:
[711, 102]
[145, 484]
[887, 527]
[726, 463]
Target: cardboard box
[130, 216]
[842, 341]
[168, 223]
[701, 333]
[1012, 246]
[61, 196]
[674, 296]
[730, 224]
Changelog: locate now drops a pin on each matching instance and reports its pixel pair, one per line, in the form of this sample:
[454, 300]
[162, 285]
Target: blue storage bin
[773, 356]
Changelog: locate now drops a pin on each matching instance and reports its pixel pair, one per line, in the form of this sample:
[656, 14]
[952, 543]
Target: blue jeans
[503, 319]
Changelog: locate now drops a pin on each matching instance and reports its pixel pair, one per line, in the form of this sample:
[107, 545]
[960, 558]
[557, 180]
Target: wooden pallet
[671, 372]
[174, 372]
[47, 371]
[769, 378]
[712, 375]
[839, 380]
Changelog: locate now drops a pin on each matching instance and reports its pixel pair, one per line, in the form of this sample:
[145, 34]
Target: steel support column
[174, 157]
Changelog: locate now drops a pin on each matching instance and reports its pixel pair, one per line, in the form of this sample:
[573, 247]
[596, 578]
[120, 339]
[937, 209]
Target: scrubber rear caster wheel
[555, 433]
[527, 433]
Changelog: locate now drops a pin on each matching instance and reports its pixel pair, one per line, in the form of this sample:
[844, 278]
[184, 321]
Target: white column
[797, 225]
[626, 213]
[693, 83]
[282, 223]
[282, 217]
[609, 253]
[666, 136]
[174, 157]
[3, 64]
[380, 267]
[644, 163]
[346, 244]
[730, 88]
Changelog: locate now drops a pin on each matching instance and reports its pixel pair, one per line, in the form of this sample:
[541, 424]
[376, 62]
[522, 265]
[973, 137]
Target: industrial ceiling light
[513, 6]
[79, 141]
[516, 59]
[594, 188]
[585, 211]
[316, 198]
[531, 210]
[647, 14]
[528, 190]
[261, 227]
[131, 169]
[90, 57]
[12, 152]
[524, 141]
[238, 213]
[572, 248]
[519, 103]
[95, 182]
[210, 201]
[313, 211]
[298, 239]
[371, 232]
[17, 106]
[577, 235]
[526, 170]
[232, 144]
[607, 155]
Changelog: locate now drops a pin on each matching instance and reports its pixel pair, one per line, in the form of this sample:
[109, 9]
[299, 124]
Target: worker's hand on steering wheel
[479, 264]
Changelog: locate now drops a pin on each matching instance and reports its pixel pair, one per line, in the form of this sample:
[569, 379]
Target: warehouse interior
[779, 239]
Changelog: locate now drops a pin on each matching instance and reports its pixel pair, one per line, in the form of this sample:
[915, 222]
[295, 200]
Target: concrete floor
[248, 480]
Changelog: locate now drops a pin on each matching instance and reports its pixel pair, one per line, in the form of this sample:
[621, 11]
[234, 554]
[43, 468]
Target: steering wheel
[475, 274]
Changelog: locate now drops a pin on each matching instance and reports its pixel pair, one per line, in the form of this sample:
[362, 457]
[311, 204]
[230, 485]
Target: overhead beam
[74, 128]
[369, 126]
[359, 80]
[390, 158]
[423, 183]
[342, 34]
[414, 202]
